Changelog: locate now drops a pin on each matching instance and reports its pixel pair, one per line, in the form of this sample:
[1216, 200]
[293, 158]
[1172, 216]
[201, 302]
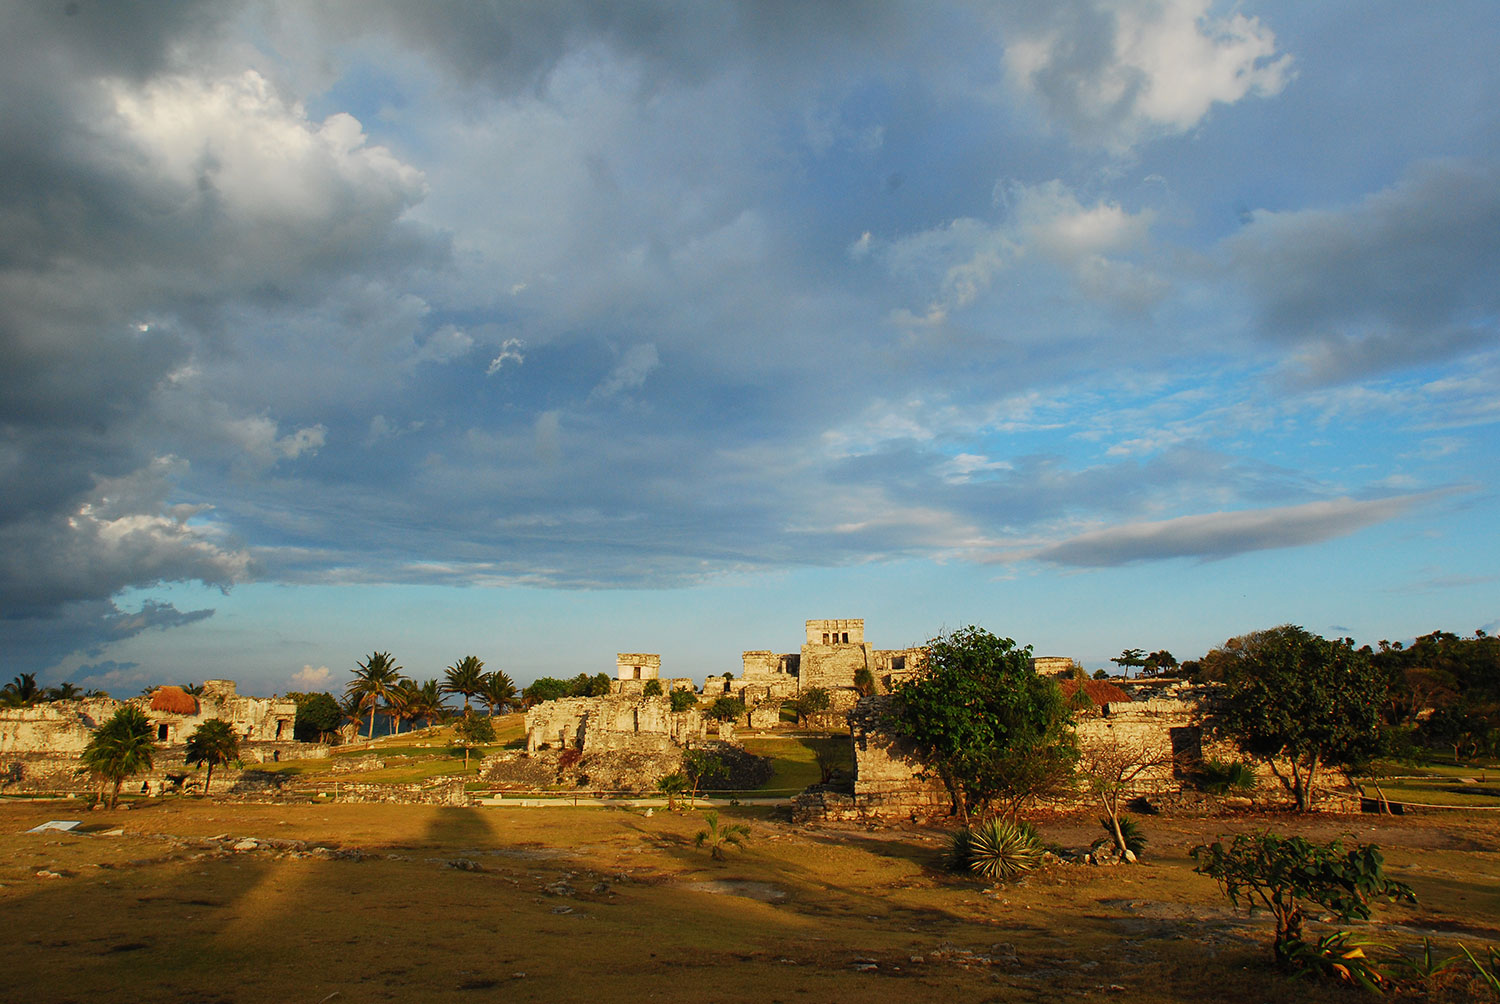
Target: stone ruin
[40, 745]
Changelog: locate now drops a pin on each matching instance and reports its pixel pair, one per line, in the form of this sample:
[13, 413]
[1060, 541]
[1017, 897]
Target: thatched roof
[1099, 691]
[174, 699]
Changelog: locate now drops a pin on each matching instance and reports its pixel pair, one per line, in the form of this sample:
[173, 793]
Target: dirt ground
[346, 903]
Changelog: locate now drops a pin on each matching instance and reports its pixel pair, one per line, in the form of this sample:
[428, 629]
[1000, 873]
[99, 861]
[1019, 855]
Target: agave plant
[996, 849]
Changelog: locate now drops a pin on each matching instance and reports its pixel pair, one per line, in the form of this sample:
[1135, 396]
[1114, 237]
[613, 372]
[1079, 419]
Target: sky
[541, 332]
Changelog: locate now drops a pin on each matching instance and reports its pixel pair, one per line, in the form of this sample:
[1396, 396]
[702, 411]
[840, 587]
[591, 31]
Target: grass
[793, 758]
[824, 913]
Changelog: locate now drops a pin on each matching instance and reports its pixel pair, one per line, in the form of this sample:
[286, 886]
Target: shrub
[718, 837]
[996, 848]
[1220, 777]
[726, 709]
[1135, 840]
[651, 689]
[1283, 874]
[682, 699]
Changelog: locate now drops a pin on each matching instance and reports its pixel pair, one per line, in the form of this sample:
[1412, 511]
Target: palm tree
[20, 692]
[193, 689]
[64, 692]
[431, 702]
[374, 681]
[121, 748]
[499, 692]
[406, 701]
[464, 677]
[212, 743]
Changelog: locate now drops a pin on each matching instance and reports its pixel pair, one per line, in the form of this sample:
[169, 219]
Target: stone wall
[618, 721]
[67, 726]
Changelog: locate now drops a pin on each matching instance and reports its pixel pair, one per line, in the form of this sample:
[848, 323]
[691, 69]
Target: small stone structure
[637, 665]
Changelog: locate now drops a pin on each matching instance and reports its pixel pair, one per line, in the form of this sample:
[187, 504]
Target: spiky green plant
[996, 849]
[1130, 830]
[1220, 777]
[719, 836]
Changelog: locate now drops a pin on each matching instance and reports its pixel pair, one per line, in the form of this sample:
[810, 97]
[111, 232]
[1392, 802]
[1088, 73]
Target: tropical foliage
[1286, 874]
[992, 730]
[1300, 702]
[121, 748]
[376, 679]
[465, 677]
[499, 693]
[211, 745]
[718, 837]
[471, 732]
[995, 848]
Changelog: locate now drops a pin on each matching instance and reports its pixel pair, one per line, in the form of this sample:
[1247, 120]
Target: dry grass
[802, 914]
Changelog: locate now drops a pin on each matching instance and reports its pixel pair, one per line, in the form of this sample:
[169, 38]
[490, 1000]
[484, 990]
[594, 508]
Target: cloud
[309, 678]
[630, 372]
[510, 352]
[1224, 534]
[123, 533]
[1404, 276]
[1045, 225]
[1116, 73]
[37, 641]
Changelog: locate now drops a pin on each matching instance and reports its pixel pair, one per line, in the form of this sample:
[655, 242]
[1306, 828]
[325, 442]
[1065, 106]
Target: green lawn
[793, 762]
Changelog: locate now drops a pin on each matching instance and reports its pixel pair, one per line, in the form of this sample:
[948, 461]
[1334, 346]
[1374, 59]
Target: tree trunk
[209, 780]
[114, 795]
[371, 736]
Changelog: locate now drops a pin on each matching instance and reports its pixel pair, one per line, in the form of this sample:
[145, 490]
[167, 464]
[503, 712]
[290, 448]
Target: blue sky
[545, 331]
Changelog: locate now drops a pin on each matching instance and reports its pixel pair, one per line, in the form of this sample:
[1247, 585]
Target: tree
[405, 703]
[429, 703]
[700, 767]
[1110, 766]
[672, 786]
[1282, 873]
[20, 692]
[651, 689]
[1159, 662]
[543, 689]
[499, 692]
[1301, 702]
[318, 717]
[682, 699]
[466, 677]
[374, 681]
[120, 748]
[989, 726]
[212, 744]
[864, 681]
[472, 732]
[64, 692]
[726, 708]
[812, 701]
[1129, 657]
[719, 837]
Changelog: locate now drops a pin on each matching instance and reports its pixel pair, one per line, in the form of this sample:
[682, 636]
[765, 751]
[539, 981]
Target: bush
[1135, 840]
[1283, 874]
[682, 699]
[726, 709]
[1220, 777]
[996, 849]
[651, 689]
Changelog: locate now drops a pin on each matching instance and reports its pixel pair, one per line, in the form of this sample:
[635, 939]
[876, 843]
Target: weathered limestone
[619, 721]
[67, 726]
[637, 665]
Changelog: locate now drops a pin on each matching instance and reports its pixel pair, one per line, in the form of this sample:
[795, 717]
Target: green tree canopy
[1301, 702]
[990, 728]
[120, 748]
[318, 716]
[682, 699]
[471, 732]
[212, 744]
